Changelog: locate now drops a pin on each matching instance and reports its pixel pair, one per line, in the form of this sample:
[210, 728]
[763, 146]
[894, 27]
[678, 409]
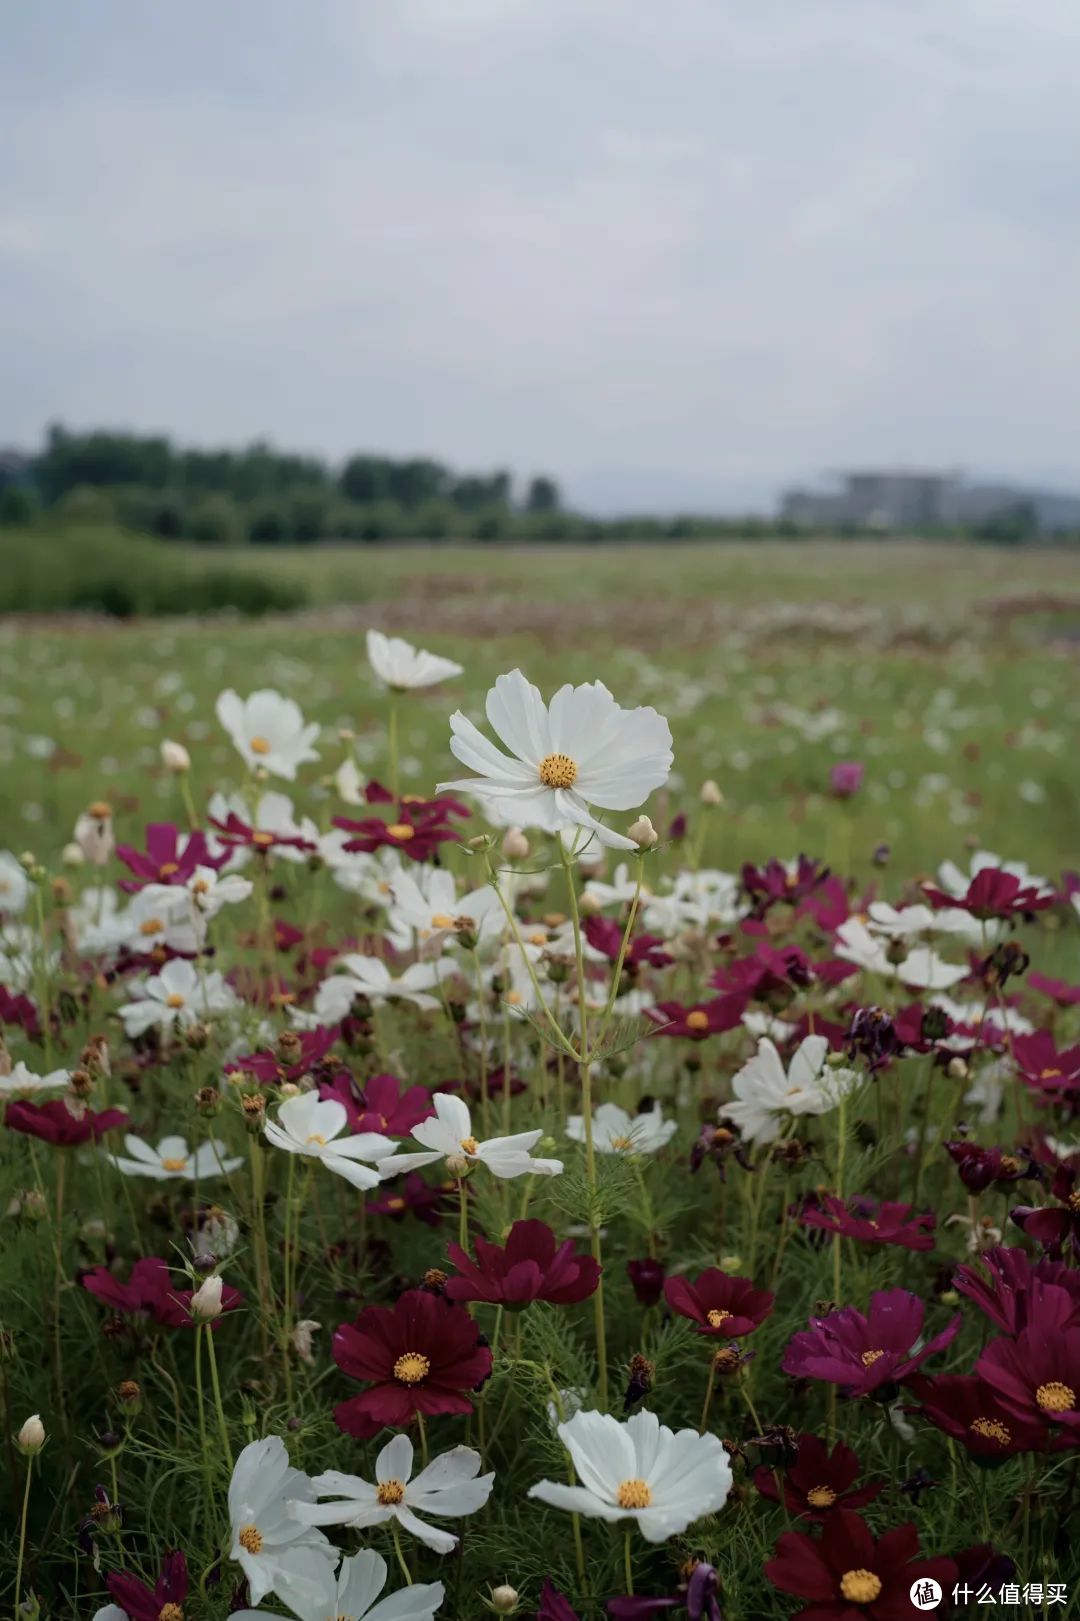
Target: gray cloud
[676, 251]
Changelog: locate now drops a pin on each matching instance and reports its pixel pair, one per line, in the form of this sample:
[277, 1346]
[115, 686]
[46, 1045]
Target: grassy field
[950, 671]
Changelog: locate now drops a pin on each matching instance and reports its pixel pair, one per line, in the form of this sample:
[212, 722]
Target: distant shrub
[215, 521]
[19, 503]
[85, 505]
[267, 523]
[308, 515]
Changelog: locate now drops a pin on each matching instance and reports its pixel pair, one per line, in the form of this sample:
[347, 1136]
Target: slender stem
[709, 1388]
[392, 743]
[223, 1428]
[22, 1533]
[402, 1561]
[620, 960]
[423, 1438]
[463, 1216]
[628, 1567]
[204, 1445]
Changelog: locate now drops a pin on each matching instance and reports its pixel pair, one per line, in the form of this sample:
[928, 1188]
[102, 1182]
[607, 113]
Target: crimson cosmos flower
[270, 1068]
[870, 1221]
[1051, 1226]
[421, 826]
[818, 1482]
[424, 1199]
[19, 1010]
[646, 1279]
[605, 935]
[1004, 1296]
[776, 882]
[981, 1168]
[420, 1355]
[237, 833]
[846, 778]
[531, 1267]
[847, 1574]
[55, 1123]
[1058, 990]
[720, 1306]
[699, 1020]
[1044, 1067]
[992, 893]
[167, 859]
[1037, 1373]
[864, 1353]
[150, 1292]
[381, 1105]
[967, 1408]
[163, 1602]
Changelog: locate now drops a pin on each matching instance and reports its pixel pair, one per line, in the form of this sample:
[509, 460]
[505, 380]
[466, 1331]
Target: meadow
[419, 1205]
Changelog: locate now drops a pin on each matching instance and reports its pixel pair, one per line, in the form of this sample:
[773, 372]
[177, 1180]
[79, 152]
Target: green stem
[392, 744]
[223, 1428]
[402, 1561]
[22, 1534]
[709, 1388]
[628, 1567]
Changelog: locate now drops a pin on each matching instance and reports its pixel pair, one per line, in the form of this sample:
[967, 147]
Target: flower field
[580, 1121]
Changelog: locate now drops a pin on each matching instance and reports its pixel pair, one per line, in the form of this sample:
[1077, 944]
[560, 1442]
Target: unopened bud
[504, 1599]
[709, 793]
[206, 1301]
[81, 1082]
[31, 1438]
[253, 1105]
[175, 757]
[643, 833]
[197, 1036]
[129, 1394]
[958, 1070]
[515, 847]
[72, 855]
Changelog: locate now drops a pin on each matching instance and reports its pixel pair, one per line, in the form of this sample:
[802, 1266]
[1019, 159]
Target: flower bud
[504, 1599]
[94, 833]
[643, 833]
[175, 757]
[129, 1395]
[515, 847]
[957, 1069]
[31, 1438]
[206, 1301]
[709, 793]
[72, 855]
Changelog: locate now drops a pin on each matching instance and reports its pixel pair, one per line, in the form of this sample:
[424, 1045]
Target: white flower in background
[432, 911]
[176, 996]
[274, 814]
[617, 1132]
[760, 1023]
[97, 923]
[976, 1020]
[597, 895]
[160, 915]
[276, 1553]
[14, 884]
[909, 922]
[766, 1095]
[268, 731]
[367, 873]
[21, 1082]
[955, 881]
[311, 1126]
[21, 958]
[581, 750]
[205, 892]
[705, 899]
[371, 978]
[450, 1486]
[173, 1160]
[921, 969]
[640, 1470]
[349, 783]
[353, 1595]
[404, 667]
[94, 834]
[448, 1134]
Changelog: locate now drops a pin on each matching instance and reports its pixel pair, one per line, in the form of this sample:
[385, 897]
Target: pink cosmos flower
[718, 1305]
[846, 778]
[864, 1353]
[54, 1122]
[871, 1221]
[532, 1266]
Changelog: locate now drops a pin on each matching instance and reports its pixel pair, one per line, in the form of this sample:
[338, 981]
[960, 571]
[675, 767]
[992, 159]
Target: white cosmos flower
[274, 814]
[404, 667]
[371, 978]
[616, 1132]
[765, 1095]
[640, 1470]
[268, 731]
[14, 884]
[173, 1160]
[581, 750]
[908, 922]
[312, 1126]
[176, 996]
[349, 783]
[955, 882]
[921, 969]
[206, 892]
[276, 1553]
[448, 1134]
[23, 1083]
[450, 1486]
[433, 912]
[351, 1595]
[97, 922]
[161, 915]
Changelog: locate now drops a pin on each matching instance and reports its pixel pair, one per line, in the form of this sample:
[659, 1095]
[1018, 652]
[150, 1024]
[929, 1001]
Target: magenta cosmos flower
[54, 1122]
[846, 778]
[381, 1104]
[973, 1412]
[865, 1353]
[531, 1267]
[169, 858]
[1003, 1291]
[150, 1292]
[993, 893]
[718, 1305]
[1052, 1226]
[818, 1482]
[700, 1020]
[847, 1574]
[164, 1600]
[1037, 1373]
[871, 1222]
[420, 1355]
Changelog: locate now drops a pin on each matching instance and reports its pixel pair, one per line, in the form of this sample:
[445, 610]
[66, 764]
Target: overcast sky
[672, 251]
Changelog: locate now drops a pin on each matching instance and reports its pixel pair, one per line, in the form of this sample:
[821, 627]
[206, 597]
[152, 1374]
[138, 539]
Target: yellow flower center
[390, 1492]
[200, 886]
[153, 925]
[716, 1317]
[170, 1612]
[395, 1202]
[412, 1367]
[1073, 1201]
[99, 810]
[870, 1357]
[514, 998]
[174, 999]
[558, 771]
[173, 1164]
[860, 1586]
[1010, 1164]
[1049, 1074]
[263, 840]
[259, 745]
[697, 1020]
[991, 1429]
[821, 1497]
[1055, 1397]
[469, 1145]
[316, 1137]
[402, 831]
[634, 1494]
[442, 920]
[622, 1143]
[250, 1537]
[167, 869]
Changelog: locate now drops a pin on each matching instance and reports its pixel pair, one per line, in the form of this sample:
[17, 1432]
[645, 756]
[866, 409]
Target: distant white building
[907, 499]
